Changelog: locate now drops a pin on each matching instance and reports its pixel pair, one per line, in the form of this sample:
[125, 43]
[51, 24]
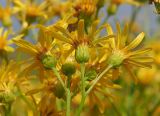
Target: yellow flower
[4, 43]
[126, 54]
[43, 47]
[79, 38]
[5, 15]
[10, 82]
[28, 11]
[58, 8]
[86, 7]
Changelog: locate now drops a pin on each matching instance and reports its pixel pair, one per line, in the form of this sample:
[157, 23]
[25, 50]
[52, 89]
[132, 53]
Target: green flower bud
[90, 75]
[100, 3]
[68, 69]
[7, 97]
[82, 53]
[59, 90]
[49, 62]
[116, 59]
[112, 9]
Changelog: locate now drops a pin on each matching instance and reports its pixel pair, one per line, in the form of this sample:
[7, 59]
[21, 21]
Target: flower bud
[59, 90]
[90, 74]
[68, 69]
[112, 9]
[116, 58]
[49, 61]
[82, 53]
[7, 97]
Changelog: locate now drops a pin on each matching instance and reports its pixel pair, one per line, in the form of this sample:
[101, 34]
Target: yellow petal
[63, 31]
[124, 36]
[94, 28]
[110, 32]
[61, 37]
[139, 52]
[26, 45]
[81, 29]
[139, 64]
[96, 41]
[9, 49]
[118, 35]
[135, 42]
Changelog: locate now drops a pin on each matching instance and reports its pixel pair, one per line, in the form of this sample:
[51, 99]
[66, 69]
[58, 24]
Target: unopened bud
[68, 69]
[49, 61]
[59, 90]
[112, 9]
[82, 53]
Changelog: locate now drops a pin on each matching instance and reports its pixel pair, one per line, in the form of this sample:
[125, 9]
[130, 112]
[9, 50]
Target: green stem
[80, 108]
[68, 96]
[59, 78]
[97, 79]
[68, 102]
[67, 90]
[83, 79]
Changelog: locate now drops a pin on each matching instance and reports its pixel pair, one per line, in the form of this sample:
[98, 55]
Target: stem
[68, 102]
[83, 79]
[82, 90]
[59, 78]
[97, 79]
[68, 96]
[81, 106]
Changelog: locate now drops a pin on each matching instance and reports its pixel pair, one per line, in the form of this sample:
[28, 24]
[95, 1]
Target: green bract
[49, 61]
[82, 53]
[116, 58]
[68, 69]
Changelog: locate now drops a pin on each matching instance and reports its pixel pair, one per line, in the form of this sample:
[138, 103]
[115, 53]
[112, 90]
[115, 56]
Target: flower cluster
[65, 60]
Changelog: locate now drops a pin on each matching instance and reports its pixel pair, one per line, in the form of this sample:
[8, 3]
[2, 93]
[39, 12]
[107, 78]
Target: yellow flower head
[127, 54]
[86, 7]
[10, 82]
[5, 16]
[28, 10]
[80, 40]
[4, 43]
[43, 48]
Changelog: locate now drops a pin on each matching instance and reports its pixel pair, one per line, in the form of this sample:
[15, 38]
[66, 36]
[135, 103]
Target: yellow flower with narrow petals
[126, 54]
[44, 47]
[29, 11]
[79, 39]
[5, 16]
[4, 42]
